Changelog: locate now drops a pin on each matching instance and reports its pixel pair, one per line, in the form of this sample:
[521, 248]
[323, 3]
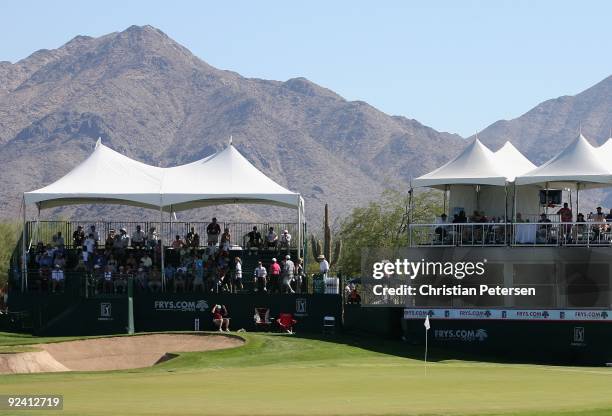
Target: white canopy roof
[605, 151]
[109, 177]
[106, 176]
[513, 162]
[223, 178]
[579, 163]
[476, 165]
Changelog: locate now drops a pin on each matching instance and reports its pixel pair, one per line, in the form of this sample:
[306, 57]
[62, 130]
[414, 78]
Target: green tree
[9, 234]
[384, 224]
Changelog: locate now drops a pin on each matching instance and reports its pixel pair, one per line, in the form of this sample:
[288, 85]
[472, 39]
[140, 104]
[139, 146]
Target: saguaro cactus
[326, 248]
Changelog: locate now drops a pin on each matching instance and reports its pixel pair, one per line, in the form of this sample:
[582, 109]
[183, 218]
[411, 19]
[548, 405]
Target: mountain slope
[547, 128]
[150, 98]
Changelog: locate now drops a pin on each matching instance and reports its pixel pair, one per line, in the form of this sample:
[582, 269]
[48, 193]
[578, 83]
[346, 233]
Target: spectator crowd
[110, 261]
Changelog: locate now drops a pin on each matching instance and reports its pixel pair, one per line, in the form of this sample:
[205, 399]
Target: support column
[299, 221]
[24, 256]
[161, 242]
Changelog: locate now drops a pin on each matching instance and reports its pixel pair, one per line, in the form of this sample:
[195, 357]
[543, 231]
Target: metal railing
[97, 283]
[46, 231]
[589, 234]
[464, 234]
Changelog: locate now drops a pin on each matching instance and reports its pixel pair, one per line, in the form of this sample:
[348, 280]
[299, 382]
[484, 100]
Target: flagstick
[426, 351]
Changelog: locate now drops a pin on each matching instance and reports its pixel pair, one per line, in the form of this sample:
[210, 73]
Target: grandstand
[96, 277]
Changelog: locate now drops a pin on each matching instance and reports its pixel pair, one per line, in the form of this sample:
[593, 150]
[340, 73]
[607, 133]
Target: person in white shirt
[287, 271]
[152, 237]
[124, 239]
[238, 274]
[146, 262]
[323, 265]
[285, 239]
[89, 246]
[138, 238]
[96, 235]
[260, 275]
[57, 278]
[271, 238]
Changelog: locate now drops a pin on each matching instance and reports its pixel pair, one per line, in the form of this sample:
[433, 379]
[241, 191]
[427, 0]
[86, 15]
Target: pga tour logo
[300, 306]
[106, 312]
[464, 335]
[181, 305]
[578, 335]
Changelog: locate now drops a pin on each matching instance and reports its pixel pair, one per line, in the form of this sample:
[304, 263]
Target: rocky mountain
[548, 127]
[150, 98]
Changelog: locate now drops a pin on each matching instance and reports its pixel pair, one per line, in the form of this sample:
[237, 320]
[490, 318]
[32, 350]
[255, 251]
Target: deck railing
[44, 231]
[585, 234]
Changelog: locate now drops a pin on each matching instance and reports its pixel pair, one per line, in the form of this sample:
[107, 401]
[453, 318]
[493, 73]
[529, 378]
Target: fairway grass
[289, 375]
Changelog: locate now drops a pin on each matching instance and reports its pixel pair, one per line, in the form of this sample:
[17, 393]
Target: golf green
[285, 375]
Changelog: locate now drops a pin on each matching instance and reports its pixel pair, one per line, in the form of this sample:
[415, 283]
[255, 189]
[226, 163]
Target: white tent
[104, 177]
[476, 165]
[513, 162]
[477, 178]
[226, 177]
[605, 151]
[579, 165]
[107, 176]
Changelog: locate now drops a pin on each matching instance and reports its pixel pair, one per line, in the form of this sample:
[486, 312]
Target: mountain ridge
[152, 99]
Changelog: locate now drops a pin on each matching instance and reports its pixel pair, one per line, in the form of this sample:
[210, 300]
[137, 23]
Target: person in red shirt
[275, 271]
[566, 216]
[220, 318]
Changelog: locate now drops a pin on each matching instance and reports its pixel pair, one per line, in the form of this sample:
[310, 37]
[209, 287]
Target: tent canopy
[579, 163]
[106, 176]
[476, 165]
[605, 151]
[225, 177]
[513, 162]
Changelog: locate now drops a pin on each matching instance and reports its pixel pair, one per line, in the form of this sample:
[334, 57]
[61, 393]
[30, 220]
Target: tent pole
[505, 212]
[577, 196]
[445, 193]
[299, 220]
[514, 202]
[546, 202]
[161, 242]
[24, 261]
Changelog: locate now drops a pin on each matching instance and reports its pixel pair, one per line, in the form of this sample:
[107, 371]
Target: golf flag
[427, 326]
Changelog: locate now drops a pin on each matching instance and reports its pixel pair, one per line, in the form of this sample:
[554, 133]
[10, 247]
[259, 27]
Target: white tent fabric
[106, 176]
[513, 162]
[109, 177]
[605, 151]
[579, 163]
[476, 165]
[225, 177]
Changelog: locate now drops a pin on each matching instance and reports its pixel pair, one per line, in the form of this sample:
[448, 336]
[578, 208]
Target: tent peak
[98, 142]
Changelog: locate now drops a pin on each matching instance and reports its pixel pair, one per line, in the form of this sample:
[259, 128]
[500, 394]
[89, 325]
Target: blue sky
[456, 66]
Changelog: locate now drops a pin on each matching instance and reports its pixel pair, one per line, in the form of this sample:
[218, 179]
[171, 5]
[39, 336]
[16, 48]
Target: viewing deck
[537, 234]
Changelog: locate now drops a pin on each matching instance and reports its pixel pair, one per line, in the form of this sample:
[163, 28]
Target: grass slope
[284, 375]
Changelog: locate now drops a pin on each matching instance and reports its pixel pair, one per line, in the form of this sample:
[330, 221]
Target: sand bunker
[116, 353]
